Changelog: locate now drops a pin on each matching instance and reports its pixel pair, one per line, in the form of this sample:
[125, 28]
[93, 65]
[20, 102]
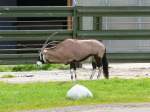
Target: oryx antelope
[73, 51]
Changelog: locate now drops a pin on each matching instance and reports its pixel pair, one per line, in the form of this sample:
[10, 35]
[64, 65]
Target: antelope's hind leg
[94, 69]
[99, 65]
[99, 72]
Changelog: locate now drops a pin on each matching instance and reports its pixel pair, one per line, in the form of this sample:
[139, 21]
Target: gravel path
[131, 107]
[124, 70]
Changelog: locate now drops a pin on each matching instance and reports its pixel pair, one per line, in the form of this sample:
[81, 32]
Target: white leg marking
[93, 73]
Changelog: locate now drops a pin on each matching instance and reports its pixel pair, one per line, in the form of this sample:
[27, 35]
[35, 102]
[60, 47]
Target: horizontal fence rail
[35, 11]
[18, 58]
[115, 34]
[22, 35]
[113, 57]
[129, 57]
[113, 11]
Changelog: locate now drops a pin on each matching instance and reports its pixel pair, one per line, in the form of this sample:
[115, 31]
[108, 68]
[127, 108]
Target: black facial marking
[40, 58]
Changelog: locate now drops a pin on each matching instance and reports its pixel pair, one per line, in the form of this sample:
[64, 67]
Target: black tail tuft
[105, 66]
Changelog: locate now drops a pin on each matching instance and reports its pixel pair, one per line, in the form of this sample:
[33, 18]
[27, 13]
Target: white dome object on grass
[39, 63]
[79, 92]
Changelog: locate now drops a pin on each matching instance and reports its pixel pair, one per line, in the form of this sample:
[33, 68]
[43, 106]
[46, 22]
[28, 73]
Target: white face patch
[42, 57]
[45, 51]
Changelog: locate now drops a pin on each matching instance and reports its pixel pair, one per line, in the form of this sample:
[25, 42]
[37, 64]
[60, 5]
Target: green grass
[47, 95]
[32, 67]
[7, 76]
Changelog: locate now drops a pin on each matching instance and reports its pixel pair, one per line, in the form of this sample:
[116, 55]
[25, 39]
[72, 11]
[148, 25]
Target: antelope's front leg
[73, 70]
[71, 73]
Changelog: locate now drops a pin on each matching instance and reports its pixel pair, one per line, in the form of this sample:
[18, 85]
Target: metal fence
[23, 30]
[20, 40]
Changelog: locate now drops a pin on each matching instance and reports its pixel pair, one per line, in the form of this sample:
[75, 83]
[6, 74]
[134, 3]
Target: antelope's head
[41, 58]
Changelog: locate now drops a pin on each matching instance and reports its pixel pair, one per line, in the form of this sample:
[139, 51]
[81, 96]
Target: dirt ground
[120, 70]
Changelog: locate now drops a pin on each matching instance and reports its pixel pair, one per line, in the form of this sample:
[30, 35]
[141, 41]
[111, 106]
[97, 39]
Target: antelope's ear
[39, 63]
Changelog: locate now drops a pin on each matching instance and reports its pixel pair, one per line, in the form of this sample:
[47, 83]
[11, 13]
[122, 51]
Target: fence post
[74, 21]
[97, 23]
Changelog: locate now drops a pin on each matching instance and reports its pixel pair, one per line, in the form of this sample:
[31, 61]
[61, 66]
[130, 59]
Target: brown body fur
[73, 50]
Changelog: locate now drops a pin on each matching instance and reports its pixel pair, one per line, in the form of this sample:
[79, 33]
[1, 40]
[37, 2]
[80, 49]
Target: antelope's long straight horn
[45, 43]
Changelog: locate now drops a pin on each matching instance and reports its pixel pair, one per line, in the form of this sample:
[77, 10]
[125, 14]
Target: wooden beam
[69, 19]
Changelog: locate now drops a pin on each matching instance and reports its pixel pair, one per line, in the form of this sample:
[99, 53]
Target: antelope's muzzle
[40, 59]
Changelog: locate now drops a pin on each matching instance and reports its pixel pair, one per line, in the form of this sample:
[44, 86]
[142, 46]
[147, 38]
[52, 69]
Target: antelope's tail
[105, 66]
